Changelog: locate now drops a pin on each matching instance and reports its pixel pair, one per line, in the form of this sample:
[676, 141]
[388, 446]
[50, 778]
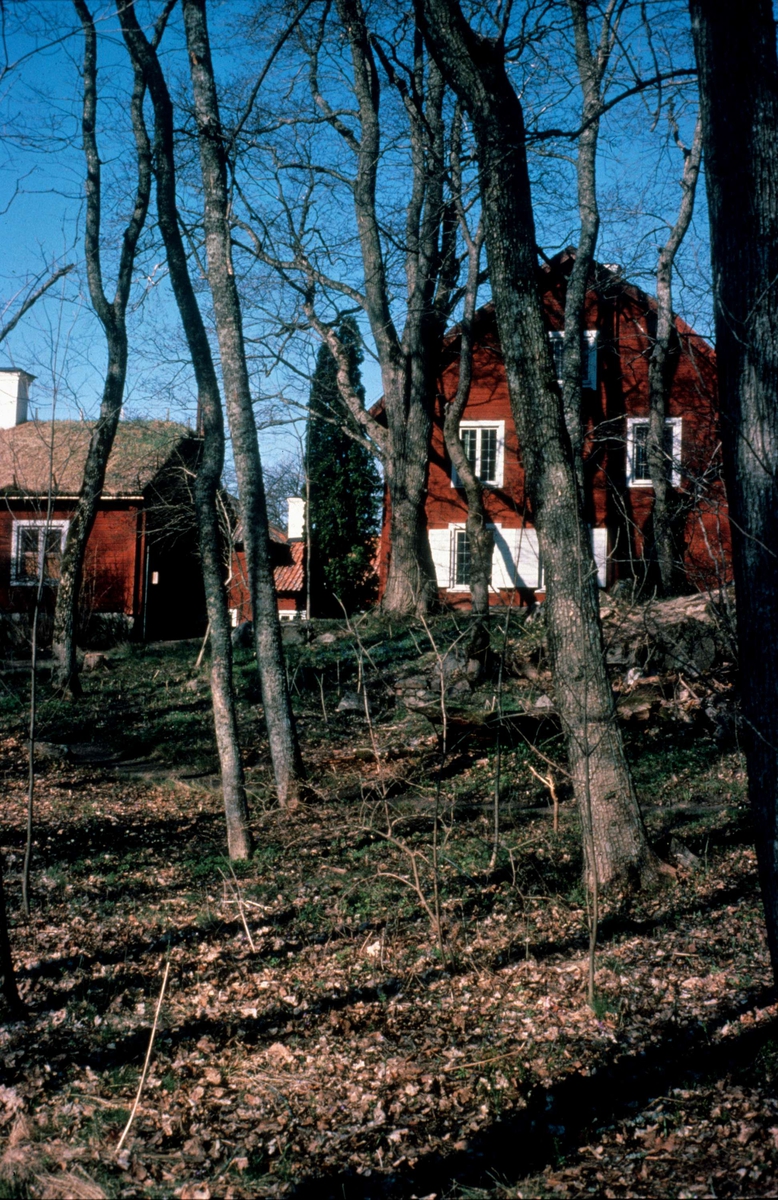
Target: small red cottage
[620, 319]
[141, 572]
[287, 551]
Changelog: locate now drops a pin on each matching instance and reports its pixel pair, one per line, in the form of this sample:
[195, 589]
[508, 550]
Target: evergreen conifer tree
[345, 488]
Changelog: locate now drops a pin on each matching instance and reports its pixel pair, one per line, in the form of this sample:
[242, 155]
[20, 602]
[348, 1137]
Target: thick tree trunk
[112, 317]
[284, 752]
[211, 423]
[410, 584]
[8, 989]
[616, 845]
[660, 369]
[738, 73]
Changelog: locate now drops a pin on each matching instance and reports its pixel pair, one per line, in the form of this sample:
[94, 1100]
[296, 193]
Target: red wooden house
[620, 321]
[141, 571]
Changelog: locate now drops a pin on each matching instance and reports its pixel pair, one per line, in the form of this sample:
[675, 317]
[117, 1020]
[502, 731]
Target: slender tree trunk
[409, 363]
[112, 317]
[284, 751]
[591, 69]
[660, 373]
[480, 536]
[738, 74]
[211, 423]
[8, 989]
[617, 849]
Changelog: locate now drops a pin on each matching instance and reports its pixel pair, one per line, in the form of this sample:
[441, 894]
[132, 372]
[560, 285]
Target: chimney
[295, 525]
[13, 396]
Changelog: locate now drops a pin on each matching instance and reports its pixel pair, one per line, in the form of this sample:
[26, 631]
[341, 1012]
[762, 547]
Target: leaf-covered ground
[319, 1036]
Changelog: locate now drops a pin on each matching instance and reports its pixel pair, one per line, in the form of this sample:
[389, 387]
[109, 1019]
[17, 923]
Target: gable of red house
[619, 321]
[141, 568]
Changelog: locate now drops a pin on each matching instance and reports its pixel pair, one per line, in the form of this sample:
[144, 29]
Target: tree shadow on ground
[557, 1120]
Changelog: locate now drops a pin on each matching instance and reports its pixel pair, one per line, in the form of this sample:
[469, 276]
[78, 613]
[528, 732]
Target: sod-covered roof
[35, 450]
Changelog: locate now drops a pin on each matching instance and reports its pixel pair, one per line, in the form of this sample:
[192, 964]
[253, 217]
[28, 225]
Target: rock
[543, 703]
[474, 669]
[412, 683]
[683, 855]
[351, 702]
[422, 699]
[724, 715]
[325, 639]
[52, 750]
[293, 633]
[243, 636]
[95, 660]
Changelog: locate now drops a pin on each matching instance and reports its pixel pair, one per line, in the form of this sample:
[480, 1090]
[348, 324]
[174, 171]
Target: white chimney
[295, 525]
[13, 396]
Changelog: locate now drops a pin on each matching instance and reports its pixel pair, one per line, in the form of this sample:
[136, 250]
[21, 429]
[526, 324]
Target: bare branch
[32, 299]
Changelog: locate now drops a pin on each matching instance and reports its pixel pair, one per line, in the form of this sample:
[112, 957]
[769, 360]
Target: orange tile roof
[290, 576]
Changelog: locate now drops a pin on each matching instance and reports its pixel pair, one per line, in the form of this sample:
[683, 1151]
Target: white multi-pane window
[588, 356]
[461, 561]
[484, 446]
[515, 560]
[37, 550]
[638, 472]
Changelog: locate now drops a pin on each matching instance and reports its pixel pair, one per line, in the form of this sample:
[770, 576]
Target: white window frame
[453, 586]
[674, 423]
[502, 576]
[32, 523]
[499, 462]
[589, 364]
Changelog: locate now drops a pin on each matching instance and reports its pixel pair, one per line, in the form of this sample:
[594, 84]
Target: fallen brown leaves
[339, 1057]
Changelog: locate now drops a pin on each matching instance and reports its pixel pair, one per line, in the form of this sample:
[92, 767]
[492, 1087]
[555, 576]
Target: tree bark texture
[111, 315]
[616, 846]
[480, 536]
[8, 989]
[284, 751]
[591, 69]
[738, 74]
[660, 372]
[211, 423]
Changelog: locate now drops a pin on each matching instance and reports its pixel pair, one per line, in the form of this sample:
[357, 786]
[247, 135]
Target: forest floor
[319, 1036]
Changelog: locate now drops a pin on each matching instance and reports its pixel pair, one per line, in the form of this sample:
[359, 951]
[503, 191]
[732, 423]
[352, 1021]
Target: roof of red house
[30, 452]
[289, 577]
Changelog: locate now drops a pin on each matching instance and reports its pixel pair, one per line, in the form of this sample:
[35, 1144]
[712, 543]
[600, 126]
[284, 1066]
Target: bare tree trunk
[591, 71]
[284, 751]
[738, 74]
[660, 370]
[479, 535]
[112, 317]
[8, 989]
[617, 850]
[211, 423]
[409, 360]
